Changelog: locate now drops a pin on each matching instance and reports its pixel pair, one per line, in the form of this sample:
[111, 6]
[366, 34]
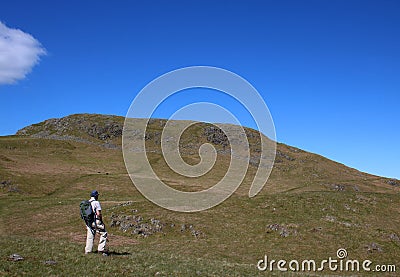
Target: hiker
[97, 226]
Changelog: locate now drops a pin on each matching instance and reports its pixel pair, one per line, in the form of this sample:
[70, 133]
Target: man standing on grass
[97, 227]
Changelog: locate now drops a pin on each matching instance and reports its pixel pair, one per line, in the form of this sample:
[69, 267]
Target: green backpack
[87, 213]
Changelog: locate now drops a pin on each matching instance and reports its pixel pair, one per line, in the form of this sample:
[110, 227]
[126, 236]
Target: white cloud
[19, 53]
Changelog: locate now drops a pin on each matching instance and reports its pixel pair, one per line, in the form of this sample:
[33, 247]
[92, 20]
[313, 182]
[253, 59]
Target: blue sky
[328, 70]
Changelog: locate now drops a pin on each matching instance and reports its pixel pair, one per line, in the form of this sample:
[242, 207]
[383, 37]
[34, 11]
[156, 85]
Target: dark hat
[94, 193]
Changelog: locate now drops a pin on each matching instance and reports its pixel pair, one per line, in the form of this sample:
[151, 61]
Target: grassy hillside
[309, 208]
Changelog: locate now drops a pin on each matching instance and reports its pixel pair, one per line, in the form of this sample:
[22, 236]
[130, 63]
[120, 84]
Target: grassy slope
[40, 220]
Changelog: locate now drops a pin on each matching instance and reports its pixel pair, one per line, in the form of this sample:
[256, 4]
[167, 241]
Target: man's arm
[98, 214]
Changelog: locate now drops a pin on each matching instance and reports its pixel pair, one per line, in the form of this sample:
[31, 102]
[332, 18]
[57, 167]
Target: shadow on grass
[115, 253]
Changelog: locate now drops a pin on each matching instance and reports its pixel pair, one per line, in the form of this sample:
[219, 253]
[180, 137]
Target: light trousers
[90, 236]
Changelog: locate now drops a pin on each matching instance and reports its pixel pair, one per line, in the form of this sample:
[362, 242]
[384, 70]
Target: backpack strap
[95, 215]
[94, 210]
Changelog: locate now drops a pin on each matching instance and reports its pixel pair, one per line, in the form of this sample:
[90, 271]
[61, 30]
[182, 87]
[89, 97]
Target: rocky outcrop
[394, 182]
[135, 224]
[9, 186]
[216, 136]
[93, 129]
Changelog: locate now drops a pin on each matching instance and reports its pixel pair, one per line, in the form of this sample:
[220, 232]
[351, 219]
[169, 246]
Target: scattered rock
[349, 208]
[283, 155]
[13, 189]
[156, 121]
[394, 237]
[103, 132]
[394, 182]
[110, 146]
[196, 233]
[284, 233]
[330, 218]
[254, 161]
[50, 262]
[347, 224]
[316, 229]
[295, 150]
[283, 230]
[365, 200]
[373, 247]
[9, 186]
[6, 183]
[15, 257]
[339, 187]
[183, 227]
[137, 225]
[145, 229]
[216, 136]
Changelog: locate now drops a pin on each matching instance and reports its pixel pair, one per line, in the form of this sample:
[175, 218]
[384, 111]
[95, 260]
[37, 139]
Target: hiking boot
[104, 253]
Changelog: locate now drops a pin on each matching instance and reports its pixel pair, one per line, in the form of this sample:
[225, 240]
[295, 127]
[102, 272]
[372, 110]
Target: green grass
[235, 235]
[128, 260]
[40, 219]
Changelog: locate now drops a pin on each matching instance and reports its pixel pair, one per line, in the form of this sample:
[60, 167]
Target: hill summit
[89, 128]
[294, 169]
